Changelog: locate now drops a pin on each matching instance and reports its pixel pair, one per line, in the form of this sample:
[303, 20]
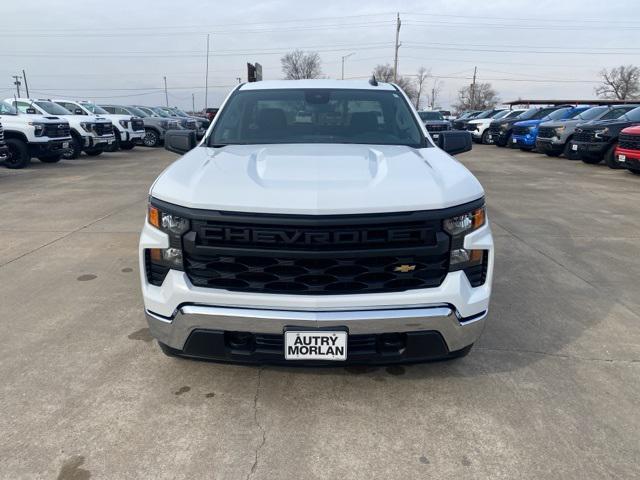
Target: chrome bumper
[457, 332]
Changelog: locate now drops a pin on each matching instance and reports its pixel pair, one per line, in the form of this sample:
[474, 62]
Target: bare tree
[421, 78]
[384, 73]
[436, 88]
[620, 83]
[300, 64]
[481, 97]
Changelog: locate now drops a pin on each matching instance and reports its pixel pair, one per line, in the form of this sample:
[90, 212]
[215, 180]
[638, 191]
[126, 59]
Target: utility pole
[397, 46]
[206, 78]
[473, 89]
[239, 79]
[193, 102]
[17, 83]
[166, 95]
[26, 85]
[343, 58]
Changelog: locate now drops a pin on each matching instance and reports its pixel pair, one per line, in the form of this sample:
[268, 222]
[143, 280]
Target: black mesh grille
[546, 132]
[56, 130]
[137, 124]
[583, 136]
[436, 128]
[494, 129]
[317, 255]
[103, 128]
[520, 130]
[629, 142]
[1, 134]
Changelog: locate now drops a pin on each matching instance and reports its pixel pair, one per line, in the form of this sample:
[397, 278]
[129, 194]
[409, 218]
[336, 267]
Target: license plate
[110, 141]
[515, 140]
[622, 158]
[65, 144]
[435, 136]
[574, 147]
[312, 345]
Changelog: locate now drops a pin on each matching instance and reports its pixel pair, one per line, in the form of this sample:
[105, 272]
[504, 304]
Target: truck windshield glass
[137, 112]
[317, 116]
[94, 108]
[161, 112]
[558, 114]
[543, 112]
[430, 116]
[616, 113]
[6, 109]
[590, 114]
[633, 115]
[528, 115]
[500, 114]
[485, 114]
[52, 108]
[514, 113]
[148, 111]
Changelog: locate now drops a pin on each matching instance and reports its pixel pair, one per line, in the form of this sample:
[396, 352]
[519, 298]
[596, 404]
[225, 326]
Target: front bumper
[127, 135]
[98, 141]
[590, 149]
[630, 158]
[454, 310]
[50, 147]
[4, 152]
[524, 141]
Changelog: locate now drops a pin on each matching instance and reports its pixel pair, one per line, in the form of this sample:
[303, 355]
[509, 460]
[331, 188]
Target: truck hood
[614, 123]
[316, 179]
[84, 118]
[24, 119]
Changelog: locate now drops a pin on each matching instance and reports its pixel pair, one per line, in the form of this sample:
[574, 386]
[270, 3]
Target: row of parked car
[593, 134]
[52, 129]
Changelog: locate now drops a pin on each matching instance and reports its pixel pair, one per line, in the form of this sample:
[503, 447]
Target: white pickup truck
[348, 237]
[89, 133]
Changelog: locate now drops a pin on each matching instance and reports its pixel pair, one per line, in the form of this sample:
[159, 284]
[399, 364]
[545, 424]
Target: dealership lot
[550, 391]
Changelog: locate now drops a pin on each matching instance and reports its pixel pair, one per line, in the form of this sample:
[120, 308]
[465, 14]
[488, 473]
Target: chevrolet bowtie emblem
[404, 268]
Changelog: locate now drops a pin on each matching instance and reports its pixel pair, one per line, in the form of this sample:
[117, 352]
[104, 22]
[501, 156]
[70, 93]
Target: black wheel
[151, 138]
[610, 158]
[94, 152]
[50, 158]
[510, 143]
[591, 160]
[127, 145]
[168, 351]
[76, 149]
[18, 156]
[635, 172]
[485, 137]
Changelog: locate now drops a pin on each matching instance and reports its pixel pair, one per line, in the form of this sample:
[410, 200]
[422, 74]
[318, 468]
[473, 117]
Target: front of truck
[349, 229]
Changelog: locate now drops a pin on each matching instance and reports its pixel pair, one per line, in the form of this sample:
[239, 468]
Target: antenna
[373, 81]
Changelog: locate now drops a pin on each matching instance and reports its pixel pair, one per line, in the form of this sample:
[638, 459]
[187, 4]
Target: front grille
[471, 127]
[1, 134]
[494, 129]
[56, 130]
[314, 255]
[437, 128]
[190, 124]
[137, 124]
[629, 142]
[546, 132]
[583, 136]
[103, 129]
[521, 130]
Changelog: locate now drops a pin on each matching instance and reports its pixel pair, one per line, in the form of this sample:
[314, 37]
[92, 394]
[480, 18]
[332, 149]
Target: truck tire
[76, 149]
[151, 138]
[94, 152]
[484, 140]
[610, 158]
[50, 158]
[568, 153]
[18, 154]
[127, 145]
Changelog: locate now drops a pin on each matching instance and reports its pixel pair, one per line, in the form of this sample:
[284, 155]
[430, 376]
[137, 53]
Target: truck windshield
[6, 109]
[52, 108]
[633, 115]
[590, 114]
[501, 114]
[380, 117]
[430, 116]
[137, 111]
[543, 112]
[161, 112]
[557, 114]
[93, 108]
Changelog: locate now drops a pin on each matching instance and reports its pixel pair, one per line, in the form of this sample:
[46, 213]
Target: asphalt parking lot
[550, 391]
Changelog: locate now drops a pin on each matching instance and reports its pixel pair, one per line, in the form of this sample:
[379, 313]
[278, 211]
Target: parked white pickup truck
[347, 237]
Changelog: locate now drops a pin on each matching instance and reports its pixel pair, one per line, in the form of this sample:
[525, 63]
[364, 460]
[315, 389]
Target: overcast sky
[118, 51]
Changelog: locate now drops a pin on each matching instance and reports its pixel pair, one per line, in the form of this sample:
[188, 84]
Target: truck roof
[323, 83]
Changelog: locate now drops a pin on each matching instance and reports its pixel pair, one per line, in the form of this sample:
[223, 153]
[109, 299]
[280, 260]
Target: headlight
[86, 126]
[458, 227]
[173, 225]
[504, 127]
[38, 128]
[560, 130]
[601, 133]
[124, 123]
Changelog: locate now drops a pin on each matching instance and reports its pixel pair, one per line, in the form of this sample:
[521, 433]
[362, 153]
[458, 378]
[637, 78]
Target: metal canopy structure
[522, 101]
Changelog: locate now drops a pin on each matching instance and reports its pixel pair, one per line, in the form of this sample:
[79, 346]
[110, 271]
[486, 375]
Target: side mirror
[180, 141]
[31, 111]
[455, 141]
[78, 111]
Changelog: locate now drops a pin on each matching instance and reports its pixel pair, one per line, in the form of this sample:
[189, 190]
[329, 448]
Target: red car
[628, 149]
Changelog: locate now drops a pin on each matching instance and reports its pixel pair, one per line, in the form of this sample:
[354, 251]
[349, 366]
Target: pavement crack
[560, 355]
[256, 459]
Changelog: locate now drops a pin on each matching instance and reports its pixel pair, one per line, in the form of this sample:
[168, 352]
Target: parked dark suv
[597, 141]
[501, 131]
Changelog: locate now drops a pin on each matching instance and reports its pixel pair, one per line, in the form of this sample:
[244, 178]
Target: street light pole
[343, 58]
